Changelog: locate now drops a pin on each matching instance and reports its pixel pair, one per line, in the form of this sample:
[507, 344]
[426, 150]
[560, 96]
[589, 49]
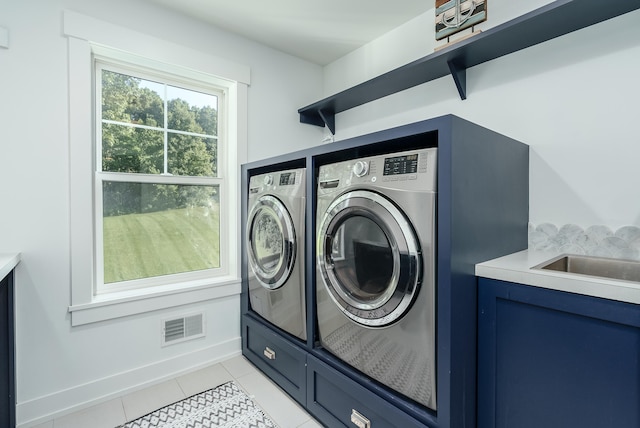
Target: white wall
[573, 100]
[59, 366]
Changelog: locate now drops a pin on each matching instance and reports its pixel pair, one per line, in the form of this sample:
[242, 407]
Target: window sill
[121, 304]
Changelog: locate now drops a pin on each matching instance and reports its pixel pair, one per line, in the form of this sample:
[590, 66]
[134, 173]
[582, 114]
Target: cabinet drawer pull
[269, 353]
[359, 420]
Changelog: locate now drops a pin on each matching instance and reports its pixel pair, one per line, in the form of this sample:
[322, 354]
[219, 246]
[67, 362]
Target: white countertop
[517, 268]
[7, 262]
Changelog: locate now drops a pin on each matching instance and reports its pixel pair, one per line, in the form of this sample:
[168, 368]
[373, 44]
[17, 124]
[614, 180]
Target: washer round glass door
[272, 242]
[369, 258]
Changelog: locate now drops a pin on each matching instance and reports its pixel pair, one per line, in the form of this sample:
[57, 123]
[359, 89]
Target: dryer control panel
[286, 183]
[411, 170]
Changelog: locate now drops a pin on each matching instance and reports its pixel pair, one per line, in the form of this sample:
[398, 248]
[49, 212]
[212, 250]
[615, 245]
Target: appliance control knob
[268, 180]
[360, 168]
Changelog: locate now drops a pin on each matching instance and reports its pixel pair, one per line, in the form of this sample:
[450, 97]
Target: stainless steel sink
[626, 270]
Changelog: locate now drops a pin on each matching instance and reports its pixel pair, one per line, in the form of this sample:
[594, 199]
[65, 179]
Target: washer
[375, 271]
[275, 249]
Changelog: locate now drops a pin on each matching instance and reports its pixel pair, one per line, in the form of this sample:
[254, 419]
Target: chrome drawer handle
[269, 353]
[359, 420]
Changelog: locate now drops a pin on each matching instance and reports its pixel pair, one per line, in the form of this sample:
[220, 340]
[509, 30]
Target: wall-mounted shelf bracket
[459, 75]
[311, 118]
[329, 119]
[321, 118]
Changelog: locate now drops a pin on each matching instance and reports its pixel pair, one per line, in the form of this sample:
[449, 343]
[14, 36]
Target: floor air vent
[180, 329]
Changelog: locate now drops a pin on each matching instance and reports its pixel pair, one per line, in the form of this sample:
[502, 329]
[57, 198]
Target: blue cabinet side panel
[483, 185]
[7, 354]
[5, 393]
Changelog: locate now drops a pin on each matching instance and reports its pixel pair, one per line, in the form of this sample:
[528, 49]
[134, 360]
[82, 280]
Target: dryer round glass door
[272, 242]
[369, 258]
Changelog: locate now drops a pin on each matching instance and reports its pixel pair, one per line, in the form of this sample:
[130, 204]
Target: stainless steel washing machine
[376, 222]
[275, 247]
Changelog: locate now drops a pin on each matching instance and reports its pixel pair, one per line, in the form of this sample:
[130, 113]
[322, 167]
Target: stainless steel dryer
[275, 247]
[376, 268]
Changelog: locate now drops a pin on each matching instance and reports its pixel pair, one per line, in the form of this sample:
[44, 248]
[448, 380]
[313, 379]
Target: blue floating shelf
[548, 22]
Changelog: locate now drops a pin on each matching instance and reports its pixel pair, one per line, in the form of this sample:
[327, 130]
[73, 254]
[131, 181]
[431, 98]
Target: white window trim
[86, 35]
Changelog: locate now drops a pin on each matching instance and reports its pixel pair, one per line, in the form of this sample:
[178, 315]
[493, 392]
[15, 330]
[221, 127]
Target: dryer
[275, 249]
[375, 270]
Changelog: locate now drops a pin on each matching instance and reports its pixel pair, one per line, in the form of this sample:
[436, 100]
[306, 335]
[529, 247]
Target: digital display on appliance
[287, 178]
[401, 165]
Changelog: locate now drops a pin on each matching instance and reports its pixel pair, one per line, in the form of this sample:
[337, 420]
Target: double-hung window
[157, 132]
[159, 179]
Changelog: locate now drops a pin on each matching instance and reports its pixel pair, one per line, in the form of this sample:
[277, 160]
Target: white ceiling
[320, 31]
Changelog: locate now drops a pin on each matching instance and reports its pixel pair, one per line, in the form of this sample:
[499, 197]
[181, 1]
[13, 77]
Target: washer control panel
[411, 170]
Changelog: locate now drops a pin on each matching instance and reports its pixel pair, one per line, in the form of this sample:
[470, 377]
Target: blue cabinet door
[556, 360]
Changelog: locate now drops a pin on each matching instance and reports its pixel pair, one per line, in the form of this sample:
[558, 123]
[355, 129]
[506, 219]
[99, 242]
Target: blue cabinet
[7, 353]
[476, 168]
[556, 360]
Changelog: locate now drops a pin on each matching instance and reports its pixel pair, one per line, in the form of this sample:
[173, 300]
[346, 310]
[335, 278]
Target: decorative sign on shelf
[453, 16]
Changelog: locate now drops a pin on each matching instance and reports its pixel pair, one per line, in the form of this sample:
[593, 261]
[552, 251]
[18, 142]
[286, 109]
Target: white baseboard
[43, 409]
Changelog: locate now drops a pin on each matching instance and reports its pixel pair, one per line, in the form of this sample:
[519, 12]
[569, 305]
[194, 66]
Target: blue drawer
[338, 401]
[281, 360]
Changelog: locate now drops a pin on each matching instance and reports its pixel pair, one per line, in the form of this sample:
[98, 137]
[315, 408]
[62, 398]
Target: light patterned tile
[147, 400]
[105, 415]
[630, 234]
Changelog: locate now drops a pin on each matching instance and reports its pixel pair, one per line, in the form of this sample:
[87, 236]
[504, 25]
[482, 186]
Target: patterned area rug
[224, 406]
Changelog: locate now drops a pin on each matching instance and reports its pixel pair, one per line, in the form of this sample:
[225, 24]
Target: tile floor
[285, 412]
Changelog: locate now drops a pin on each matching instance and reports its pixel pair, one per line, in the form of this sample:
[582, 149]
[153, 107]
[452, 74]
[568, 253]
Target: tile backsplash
[600, 241]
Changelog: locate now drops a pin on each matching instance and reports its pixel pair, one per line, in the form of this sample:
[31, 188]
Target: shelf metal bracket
[320, 118]
[329, 119]
[459, 75]
[311, 119]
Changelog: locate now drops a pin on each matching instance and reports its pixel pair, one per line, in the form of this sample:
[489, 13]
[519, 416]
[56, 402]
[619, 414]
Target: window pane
[194, 156]
[192, 111]
[155, 229]
[128, 149]
[132, 100]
